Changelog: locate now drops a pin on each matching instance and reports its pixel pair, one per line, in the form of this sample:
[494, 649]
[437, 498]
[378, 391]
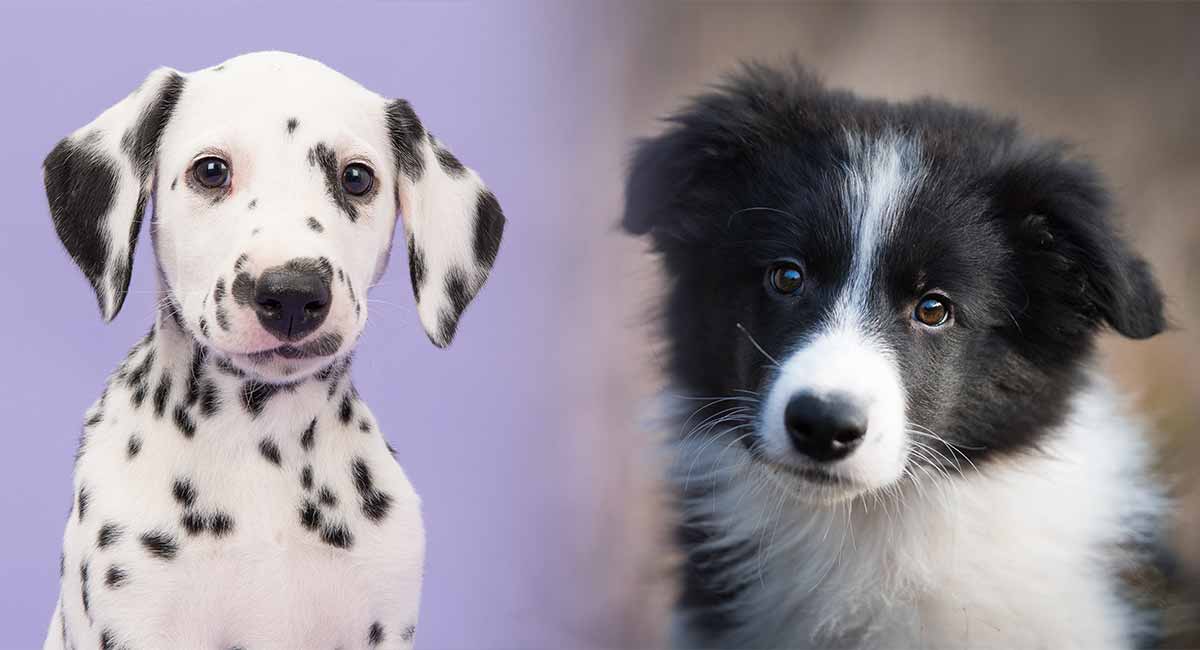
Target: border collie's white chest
[1023, 553]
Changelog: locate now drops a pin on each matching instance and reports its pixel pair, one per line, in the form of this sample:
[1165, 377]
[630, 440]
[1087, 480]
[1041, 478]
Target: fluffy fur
[231, 490]
[998, 490]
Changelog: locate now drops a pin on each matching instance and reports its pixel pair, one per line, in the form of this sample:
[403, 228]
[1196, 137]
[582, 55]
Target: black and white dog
[881, 318]
[231, 491]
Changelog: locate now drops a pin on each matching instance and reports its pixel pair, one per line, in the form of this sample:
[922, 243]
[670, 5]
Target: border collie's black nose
[291, 300]
[824, 428]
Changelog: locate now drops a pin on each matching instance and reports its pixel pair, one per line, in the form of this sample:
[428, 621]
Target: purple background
[481, 431]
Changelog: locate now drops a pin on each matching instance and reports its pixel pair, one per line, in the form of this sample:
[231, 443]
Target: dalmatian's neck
[172, 382]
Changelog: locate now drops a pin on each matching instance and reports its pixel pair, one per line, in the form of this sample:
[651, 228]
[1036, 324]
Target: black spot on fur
[82, 501]
[161, 393]
[408, 633]
[446, 160]
[255, 395]
[243, 288]
[110, 533]
[95, 419]
[184, 492]
[221, 524]
[134, 447]
[138, 396]
[416, 268]
[227, 367]
[364, 426]
[184, 422]
[193, 522]
[375, 504]
[203, 327]
[459, 293]
[307, 438]
[108, 641]
[346, 410]
[270, 451]
[375, 635]
[252, 204]
[83, 589]
[306, 477]
[174, 182]
[310, 515]
[160, 544]
[292, 123]
[315, 225]
[209, 399]
[322, 156]
[219, 291]
[326, 496]
[406, 133]
[337, 536]
[489, 229]
[114, 577]
[222, 318]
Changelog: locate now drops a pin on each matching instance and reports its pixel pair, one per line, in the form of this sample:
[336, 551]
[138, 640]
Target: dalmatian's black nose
[292, 300]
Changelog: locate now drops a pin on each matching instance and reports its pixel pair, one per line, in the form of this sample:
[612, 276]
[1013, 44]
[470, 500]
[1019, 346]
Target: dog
[231, 490]
[880, 323]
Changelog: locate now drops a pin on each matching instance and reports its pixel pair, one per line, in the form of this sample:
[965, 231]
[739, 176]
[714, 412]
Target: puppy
[231, 490]
[880, 322]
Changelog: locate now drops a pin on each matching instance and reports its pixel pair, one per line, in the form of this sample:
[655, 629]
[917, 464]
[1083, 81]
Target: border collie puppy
[881, 323]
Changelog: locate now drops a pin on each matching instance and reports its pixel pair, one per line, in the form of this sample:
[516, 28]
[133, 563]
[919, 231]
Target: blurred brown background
[1120, 81]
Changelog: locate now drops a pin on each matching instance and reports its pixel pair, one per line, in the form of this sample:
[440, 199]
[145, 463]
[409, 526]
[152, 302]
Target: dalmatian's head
[277, 183]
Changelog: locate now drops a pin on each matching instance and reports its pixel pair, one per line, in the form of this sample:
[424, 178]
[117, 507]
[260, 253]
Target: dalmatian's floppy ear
[99, 178]
[454, 223]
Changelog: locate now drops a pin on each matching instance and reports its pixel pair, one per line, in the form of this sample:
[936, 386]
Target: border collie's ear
[453, 222]
[99, 178]
[1062, 217]
[658, 172]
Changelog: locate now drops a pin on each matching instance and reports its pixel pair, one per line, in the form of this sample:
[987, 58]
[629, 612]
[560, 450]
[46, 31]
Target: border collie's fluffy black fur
[880, 321]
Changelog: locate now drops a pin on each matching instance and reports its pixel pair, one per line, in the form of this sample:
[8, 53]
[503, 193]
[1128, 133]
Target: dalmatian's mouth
[324, 345]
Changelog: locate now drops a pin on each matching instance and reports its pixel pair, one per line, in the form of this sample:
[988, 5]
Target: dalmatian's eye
[211, 172]
[357, 179]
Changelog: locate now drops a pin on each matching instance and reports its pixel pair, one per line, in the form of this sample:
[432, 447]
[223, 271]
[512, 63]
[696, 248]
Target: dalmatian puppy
[231, 490]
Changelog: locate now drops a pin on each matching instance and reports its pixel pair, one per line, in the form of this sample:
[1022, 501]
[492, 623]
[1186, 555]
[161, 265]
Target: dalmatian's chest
[221, 513]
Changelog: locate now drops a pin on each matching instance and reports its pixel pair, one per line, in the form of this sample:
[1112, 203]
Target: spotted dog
[231, 489]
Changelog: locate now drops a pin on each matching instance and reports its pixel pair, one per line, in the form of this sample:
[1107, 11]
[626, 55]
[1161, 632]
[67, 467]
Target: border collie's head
[879, 287]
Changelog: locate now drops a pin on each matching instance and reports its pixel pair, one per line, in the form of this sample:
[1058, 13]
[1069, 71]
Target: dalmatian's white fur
[231, 490]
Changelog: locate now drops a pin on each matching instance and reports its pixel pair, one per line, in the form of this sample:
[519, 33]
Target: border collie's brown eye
[357, 179]
[785, 277]
[932, 310]
[211, 172]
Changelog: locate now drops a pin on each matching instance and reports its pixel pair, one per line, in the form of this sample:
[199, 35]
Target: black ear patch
[459, 294]
[148, 130]
[416, 268]
[489, 229]
[406, 133]
[447, 160]
[84, 179]
[81, 185]
[1075, 258]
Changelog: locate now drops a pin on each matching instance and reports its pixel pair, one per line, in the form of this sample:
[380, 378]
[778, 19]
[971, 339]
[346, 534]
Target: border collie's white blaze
[881, 318]
[846, 357]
